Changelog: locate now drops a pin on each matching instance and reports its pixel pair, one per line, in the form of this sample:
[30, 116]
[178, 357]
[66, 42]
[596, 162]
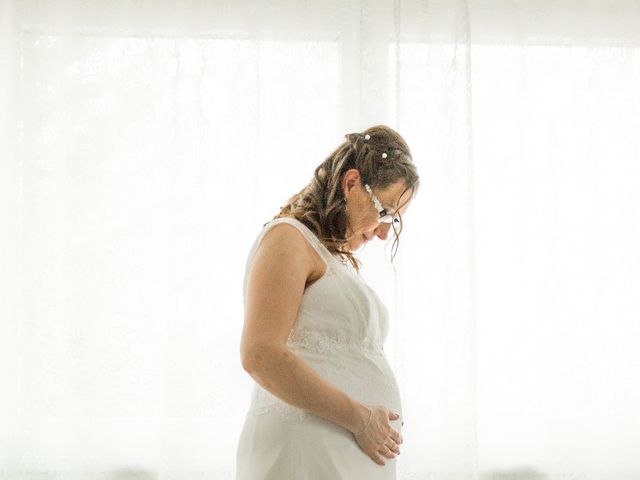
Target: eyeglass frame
[384, 216]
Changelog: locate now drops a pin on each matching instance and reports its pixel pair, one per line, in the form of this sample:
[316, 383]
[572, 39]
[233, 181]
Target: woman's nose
[382, 230]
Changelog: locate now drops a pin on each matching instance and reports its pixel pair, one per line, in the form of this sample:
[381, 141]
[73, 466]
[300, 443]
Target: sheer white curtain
[143, 144]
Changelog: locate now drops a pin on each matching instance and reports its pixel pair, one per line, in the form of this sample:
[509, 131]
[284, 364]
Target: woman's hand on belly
[377, 438]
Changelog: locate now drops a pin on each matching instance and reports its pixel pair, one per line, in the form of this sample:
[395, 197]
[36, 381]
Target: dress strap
[315, 242]
[311, 237]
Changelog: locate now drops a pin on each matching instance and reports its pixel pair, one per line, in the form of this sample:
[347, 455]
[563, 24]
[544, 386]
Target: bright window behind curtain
[143, 146]
[179, 162]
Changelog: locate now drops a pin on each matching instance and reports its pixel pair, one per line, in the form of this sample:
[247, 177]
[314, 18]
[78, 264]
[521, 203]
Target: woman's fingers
[393, 446]
[386, 451]
[396, 437]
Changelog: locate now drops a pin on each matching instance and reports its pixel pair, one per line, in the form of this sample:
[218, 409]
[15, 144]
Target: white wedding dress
[340, 331]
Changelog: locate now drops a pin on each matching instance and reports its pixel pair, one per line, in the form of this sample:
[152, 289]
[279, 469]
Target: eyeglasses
[384, 216]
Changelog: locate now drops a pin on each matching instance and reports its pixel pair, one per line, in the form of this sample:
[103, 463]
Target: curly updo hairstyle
[321, 204]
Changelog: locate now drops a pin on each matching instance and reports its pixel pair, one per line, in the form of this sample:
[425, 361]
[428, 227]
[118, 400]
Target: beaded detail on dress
[331, 342]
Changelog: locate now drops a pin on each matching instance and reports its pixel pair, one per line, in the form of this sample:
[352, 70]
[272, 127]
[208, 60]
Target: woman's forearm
[288, 377]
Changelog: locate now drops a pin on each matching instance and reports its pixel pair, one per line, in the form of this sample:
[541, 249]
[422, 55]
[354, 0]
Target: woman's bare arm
[277, 277]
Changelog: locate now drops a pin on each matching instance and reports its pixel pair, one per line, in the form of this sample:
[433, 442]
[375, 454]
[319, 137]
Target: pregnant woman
[325, 403]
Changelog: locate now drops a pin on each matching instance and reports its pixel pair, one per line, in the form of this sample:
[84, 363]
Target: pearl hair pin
[367, 137]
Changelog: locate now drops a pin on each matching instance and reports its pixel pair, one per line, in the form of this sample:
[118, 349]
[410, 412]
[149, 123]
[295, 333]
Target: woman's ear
[351, 178]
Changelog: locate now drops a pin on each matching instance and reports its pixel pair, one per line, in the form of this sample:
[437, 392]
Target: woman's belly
[364, 376]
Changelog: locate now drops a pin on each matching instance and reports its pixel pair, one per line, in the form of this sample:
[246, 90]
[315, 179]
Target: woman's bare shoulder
[284, 242]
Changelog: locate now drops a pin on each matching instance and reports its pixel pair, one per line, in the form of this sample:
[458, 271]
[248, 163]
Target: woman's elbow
[253, 357]
[258, 357]
[248, 362]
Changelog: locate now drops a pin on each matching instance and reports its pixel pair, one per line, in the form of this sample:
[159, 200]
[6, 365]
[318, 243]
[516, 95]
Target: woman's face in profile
[362, 215]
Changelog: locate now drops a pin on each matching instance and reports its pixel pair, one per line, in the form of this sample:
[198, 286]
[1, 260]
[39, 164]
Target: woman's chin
[358, 243]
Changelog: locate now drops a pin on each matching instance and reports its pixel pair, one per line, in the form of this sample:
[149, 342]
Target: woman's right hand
[379, 439]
